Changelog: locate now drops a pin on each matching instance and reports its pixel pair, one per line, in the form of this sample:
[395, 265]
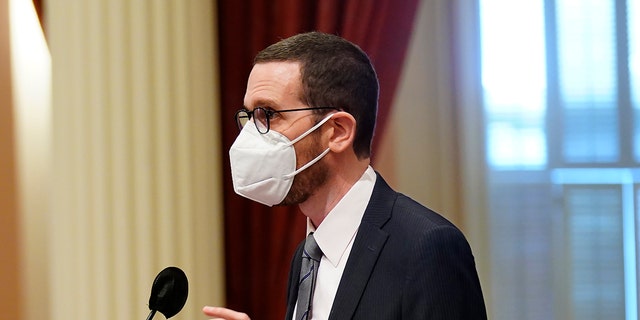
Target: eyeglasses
[262, 117]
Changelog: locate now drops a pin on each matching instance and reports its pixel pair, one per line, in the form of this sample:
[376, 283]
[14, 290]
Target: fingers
[220, 313]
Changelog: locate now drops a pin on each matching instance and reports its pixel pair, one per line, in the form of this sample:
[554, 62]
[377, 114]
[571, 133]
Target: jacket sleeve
[443, 282]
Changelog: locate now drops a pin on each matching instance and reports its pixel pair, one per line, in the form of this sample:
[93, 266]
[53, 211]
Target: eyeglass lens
[242, 118]
[259, 116]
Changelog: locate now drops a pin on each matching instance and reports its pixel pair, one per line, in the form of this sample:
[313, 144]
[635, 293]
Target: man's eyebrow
[262, 103]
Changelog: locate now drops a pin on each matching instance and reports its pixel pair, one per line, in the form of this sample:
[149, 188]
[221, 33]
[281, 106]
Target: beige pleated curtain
[135, 184]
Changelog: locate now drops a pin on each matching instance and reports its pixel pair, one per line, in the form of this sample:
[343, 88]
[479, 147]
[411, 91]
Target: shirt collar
[339, 227]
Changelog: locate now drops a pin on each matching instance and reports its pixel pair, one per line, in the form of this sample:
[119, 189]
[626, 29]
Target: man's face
[277, 86]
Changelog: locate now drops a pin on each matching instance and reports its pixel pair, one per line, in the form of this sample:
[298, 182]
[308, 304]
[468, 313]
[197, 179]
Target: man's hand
[219, 313]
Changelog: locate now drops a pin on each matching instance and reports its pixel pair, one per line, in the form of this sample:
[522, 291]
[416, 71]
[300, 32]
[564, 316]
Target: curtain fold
[260, 240]
[39, 6]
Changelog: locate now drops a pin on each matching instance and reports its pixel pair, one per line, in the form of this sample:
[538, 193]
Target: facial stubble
[311, 179]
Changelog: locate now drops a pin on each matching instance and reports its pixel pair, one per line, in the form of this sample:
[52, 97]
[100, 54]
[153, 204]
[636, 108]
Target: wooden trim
[10, 291]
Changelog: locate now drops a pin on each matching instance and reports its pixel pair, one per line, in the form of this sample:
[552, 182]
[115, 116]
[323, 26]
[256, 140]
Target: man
[306, 130]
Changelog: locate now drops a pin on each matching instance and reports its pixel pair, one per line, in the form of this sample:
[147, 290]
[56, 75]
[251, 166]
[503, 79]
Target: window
[561, 81]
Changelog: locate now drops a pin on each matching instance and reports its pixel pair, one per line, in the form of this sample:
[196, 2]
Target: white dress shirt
[335, 237]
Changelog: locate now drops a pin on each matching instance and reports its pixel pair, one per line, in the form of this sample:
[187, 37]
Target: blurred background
[517, 120]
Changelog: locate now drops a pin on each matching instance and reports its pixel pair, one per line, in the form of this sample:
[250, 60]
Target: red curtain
[261, 240]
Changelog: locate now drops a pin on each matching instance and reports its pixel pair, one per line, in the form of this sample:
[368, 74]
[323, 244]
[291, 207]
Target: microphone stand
[151, 314]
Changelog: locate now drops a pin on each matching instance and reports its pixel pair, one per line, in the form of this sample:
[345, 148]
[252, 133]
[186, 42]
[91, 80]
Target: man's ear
[343, 131]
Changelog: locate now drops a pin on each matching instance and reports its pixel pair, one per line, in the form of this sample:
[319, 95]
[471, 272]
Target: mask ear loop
[316, 159]
[312, 129]
[309, 164]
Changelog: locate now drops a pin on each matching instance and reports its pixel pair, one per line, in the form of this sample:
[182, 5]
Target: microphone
[168, 293]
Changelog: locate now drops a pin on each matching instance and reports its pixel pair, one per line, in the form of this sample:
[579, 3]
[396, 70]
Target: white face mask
[263, 165]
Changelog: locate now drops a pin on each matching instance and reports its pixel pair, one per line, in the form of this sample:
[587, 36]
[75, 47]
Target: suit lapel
[365, 251]
[294, 275]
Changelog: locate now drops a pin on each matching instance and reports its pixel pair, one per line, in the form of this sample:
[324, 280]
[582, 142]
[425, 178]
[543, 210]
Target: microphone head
[169, 292]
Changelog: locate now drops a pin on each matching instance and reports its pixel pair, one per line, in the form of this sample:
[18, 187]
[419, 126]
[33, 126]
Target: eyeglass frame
[268, 114]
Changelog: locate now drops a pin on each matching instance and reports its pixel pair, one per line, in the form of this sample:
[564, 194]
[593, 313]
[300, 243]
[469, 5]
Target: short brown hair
[334, 73]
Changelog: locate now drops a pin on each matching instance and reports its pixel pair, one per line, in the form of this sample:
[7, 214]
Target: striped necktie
[311, 256]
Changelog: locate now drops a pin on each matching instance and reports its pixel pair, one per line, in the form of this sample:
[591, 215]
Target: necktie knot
[311, 248]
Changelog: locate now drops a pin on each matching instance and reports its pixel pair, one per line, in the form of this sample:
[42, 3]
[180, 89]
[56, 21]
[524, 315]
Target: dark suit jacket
[407, 262]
